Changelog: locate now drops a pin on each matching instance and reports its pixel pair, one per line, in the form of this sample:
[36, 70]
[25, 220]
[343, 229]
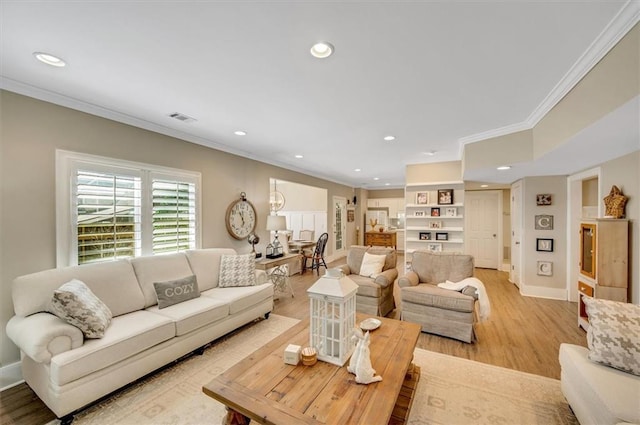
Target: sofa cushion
[114, 282]
[128, 335]
[438, 267]
[241, 298]
[176, 291]
[612, 395]
[193, 314]
[613, 336]
[205, 264]
[159, 268]
[74, 303]
[431, 295]
[237, 270]
[371, 265]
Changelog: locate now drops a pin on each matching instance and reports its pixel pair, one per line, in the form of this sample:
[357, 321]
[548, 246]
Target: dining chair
[316, 255]
[306, 235]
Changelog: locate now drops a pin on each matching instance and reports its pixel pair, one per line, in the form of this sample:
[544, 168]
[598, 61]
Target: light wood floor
[523, 333]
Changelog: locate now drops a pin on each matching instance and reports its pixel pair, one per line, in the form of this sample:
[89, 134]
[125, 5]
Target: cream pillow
[74, 303]
[372, 265]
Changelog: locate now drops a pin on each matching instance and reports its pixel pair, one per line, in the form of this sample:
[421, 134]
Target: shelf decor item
[544, 245]
[425, 236]
[435, 225]
[615, 203]
[333, 317]
[445, 196]
[435, 212]
[419, 213]
[450, 212]
[444, 236]
[422, 198]
[434, 247]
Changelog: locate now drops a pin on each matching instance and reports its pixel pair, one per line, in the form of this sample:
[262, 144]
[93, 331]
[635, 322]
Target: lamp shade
[276, 222]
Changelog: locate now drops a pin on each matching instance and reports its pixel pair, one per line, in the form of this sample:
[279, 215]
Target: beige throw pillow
[372, 265]
[613, 337]
[237, 270]
[74, 303]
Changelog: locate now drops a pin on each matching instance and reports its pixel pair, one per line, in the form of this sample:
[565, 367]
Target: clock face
[241, 219]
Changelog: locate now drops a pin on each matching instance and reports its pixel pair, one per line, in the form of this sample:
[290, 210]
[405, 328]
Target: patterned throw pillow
[237, 270]
[176, 291]
[74, 303]
[614, 334]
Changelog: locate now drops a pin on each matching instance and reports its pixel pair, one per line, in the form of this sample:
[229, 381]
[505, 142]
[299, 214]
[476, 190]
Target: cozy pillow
[613, 336]
[371, 265]
[237, 270]
[74, 303]
[176, 291]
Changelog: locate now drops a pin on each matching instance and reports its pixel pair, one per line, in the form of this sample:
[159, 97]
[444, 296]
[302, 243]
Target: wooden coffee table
[262, 387]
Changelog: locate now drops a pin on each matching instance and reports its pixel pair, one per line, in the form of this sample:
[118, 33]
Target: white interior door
[516, 233]
[483, 227]
[339, 225]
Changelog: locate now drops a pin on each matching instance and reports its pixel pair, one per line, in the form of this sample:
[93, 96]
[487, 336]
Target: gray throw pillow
[74, 303]
[237, 270]
[613, 337]
[176, 291]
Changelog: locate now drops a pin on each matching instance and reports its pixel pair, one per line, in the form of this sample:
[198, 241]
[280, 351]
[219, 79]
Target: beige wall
[434, 172]
[504, 150]
[386, 193]
[32, 130]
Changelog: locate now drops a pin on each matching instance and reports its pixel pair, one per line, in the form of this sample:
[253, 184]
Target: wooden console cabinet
[381, 239]
[604, 262]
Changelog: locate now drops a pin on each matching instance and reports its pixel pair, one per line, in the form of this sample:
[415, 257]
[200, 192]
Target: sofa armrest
[261, 277]
[409, 279]
[386, 277]
[43, 335]
[345, 269]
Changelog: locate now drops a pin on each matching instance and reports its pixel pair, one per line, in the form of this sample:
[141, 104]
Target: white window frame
[67, 164]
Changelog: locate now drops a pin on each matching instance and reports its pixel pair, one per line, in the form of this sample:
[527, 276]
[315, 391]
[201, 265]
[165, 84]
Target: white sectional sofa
[68, 371]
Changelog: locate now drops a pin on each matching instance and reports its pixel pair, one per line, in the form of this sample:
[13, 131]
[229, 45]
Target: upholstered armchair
[439, 311]
[375, 281]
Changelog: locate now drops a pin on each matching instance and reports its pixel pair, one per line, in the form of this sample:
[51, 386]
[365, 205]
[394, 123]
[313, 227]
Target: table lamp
[275, 223]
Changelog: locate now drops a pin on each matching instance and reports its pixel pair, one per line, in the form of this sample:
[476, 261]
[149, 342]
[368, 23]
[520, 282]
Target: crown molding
[620, 25]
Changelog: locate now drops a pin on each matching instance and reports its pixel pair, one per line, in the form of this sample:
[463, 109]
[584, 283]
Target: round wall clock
[241, 218]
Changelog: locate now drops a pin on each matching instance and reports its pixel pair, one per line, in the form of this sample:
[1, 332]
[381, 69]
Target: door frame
[499, 230]
[342, 201]
[517, 218]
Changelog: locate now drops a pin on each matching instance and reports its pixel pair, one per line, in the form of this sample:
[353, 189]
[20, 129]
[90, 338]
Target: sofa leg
[199, 351]
[266, 315]
[66, 420]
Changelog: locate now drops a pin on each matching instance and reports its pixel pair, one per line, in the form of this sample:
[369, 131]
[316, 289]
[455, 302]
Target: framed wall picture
[435, 247]
[351, 215]
[543, 199]
[422, 198]
[435, 212]
[444, 236]
[445, 196]
[450, 212]
[425, 236]
[435, 225]
[419, 213]
[545, 268]
[544, 222]
[544, 245]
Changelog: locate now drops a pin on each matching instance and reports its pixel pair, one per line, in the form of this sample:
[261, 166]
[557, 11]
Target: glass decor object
[333, 317]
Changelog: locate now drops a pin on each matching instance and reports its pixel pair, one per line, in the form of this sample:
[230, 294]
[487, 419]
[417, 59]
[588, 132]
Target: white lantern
[333, 317]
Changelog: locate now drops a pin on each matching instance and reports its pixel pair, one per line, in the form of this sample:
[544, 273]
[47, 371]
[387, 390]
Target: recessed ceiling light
[430, 153]
[387, 184]
[357, 170]
[376, 178]
[504, 167]
[321, 50]
[389, 138]
[484, 185]
[299, 156]
[49, 59]
[240, 133]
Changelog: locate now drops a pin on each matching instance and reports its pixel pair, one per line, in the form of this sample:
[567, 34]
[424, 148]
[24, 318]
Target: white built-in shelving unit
[432, 223]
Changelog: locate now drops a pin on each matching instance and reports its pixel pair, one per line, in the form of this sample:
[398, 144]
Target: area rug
[451, 390]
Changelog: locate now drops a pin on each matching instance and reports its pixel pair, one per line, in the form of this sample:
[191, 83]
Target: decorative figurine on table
[360, 362]
[615, 203]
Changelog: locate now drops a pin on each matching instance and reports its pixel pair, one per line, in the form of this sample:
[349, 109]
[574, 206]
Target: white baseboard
[543, 292]
[10, 376]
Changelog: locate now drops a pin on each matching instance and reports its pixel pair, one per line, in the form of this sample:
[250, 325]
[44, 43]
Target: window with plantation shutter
[173, 216]
[109, 209]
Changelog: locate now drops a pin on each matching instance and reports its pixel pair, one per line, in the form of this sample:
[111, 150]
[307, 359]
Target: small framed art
[543, 199]
[419, 213]
[544, 222]
[435, 225]
[444, 236]
[425, 236]
[545, 268]
[435, 212]
[422, 198]
[544, 245]
[445, 196]
[434, 247]
[450, 212]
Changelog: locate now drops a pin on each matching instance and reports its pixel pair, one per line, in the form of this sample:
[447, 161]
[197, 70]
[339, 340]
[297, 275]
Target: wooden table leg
[235, 418]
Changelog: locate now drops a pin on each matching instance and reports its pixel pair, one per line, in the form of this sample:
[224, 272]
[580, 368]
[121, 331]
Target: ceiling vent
[182, 117]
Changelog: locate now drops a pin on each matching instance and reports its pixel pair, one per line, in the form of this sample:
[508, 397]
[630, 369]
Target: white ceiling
[431, 73]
